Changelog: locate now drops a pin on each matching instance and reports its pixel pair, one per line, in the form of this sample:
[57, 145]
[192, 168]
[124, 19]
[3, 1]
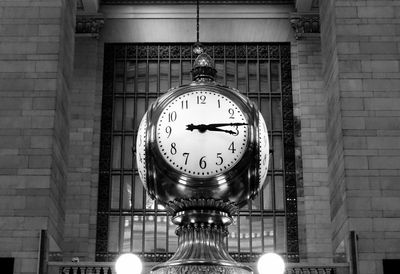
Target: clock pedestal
[201, 249]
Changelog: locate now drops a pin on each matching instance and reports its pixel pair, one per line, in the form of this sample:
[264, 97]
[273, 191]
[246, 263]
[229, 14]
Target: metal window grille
[134, 76]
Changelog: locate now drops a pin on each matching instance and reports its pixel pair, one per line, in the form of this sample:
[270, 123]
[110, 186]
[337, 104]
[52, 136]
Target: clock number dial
[231, 113]
[186, 155]
[172, 116]
[173, 149]
[221, 160]
[232, 147]
[202, 162]
[201, 99]
[168, 130]
[185, 104]
[202, 133]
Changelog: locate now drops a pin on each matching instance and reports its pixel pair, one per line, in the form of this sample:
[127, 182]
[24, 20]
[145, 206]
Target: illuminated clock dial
[202, 133]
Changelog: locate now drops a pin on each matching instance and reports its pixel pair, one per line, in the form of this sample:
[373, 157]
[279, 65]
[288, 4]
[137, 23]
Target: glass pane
[253, 82]
[268, 234]
[161, 234]
[242, 76]
[230, 74]
[116, 163]
[115, 191]
[113, 233]
[256, 225]
[265, 110]
[175, 72]
[128, 152]
[275, 77]
[140, 110]
[119, 77]
[172, 237]
[137, 233]
[164, 76]
[280, 231]
[141, 76]
[118, 108]
[153, 76]
[267, 194]
[233, 237]
[149, 234]
[220, 67]
[126, 245]
[279, 190]
[264, 76]
[129, 114]
[127, 192]
[138, 194]
[277, 114]
[186, 68]
[256, 203]
[130, 77]
[244, 234]
[278, 152]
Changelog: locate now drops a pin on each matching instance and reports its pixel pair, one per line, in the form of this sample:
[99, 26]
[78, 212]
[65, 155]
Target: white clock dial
[264, 149]
[202, 133]
[141, 150]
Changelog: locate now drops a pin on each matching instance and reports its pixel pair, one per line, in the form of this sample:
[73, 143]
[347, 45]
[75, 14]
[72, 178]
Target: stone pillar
[361, 55]
[81, 199]
[314, 217]
[36, 55]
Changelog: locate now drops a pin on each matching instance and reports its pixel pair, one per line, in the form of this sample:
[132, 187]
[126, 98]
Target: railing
[108, 268]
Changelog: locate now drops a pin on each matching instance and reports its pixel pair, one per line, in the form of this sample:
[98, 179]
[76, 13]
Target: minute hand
[226, 124]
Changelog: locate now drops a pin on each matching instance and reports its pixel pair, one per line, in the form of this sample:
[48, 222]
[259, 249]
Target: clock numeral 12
[201, 99]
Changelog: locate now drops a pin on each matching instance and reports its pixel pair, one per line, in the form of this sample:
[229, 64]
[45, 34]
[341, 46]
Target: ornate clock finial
[203, 68]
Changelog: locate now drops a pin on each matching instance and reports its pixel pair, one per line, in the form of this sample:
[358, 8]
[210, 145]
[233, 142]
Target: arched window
[134, 76]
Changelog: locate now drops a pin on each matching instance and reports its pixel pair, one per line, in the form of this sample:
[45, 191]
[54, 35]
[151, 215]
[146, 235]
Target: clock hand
[226, 124]
[213, 127]
[222, 130]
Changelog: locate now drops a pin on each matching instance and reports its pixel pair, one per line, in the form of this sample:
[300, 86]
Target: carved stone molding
[305, 25]
[89, 25]
[192, 2]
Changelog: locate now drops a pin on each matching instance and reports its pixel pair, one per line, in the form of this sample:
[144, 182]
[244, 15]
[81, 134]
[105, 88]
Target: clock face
[264, 148]
[141, 150]
[202, 133]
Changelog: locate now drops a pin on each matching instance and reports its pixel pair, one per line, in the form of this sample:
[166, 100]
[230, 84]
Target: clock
[202, 133]
[202, 141]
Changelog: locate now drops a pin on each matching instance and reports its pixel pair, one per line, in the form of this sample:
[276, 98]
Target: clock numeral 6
[221, 160]
[173, 148]
[202, 162]
[172, 116]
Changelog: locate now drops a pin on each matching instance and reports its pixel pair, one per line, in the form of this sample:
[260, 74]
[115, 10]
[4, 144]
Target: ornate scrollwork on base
[183, 204]
[200, 269]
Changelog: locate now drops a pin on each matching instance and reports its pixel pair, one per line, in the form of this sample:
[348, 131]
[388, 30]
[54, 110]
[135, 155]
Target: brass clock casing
[237, 185]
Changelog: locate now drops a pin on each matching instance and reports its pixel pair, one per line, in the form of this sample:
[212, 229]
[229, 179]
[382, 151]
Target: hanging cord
[198, 22]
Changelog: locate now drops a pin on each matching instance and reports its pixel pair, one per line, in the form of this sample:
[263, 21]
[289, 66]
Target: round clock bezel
[157, 160]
